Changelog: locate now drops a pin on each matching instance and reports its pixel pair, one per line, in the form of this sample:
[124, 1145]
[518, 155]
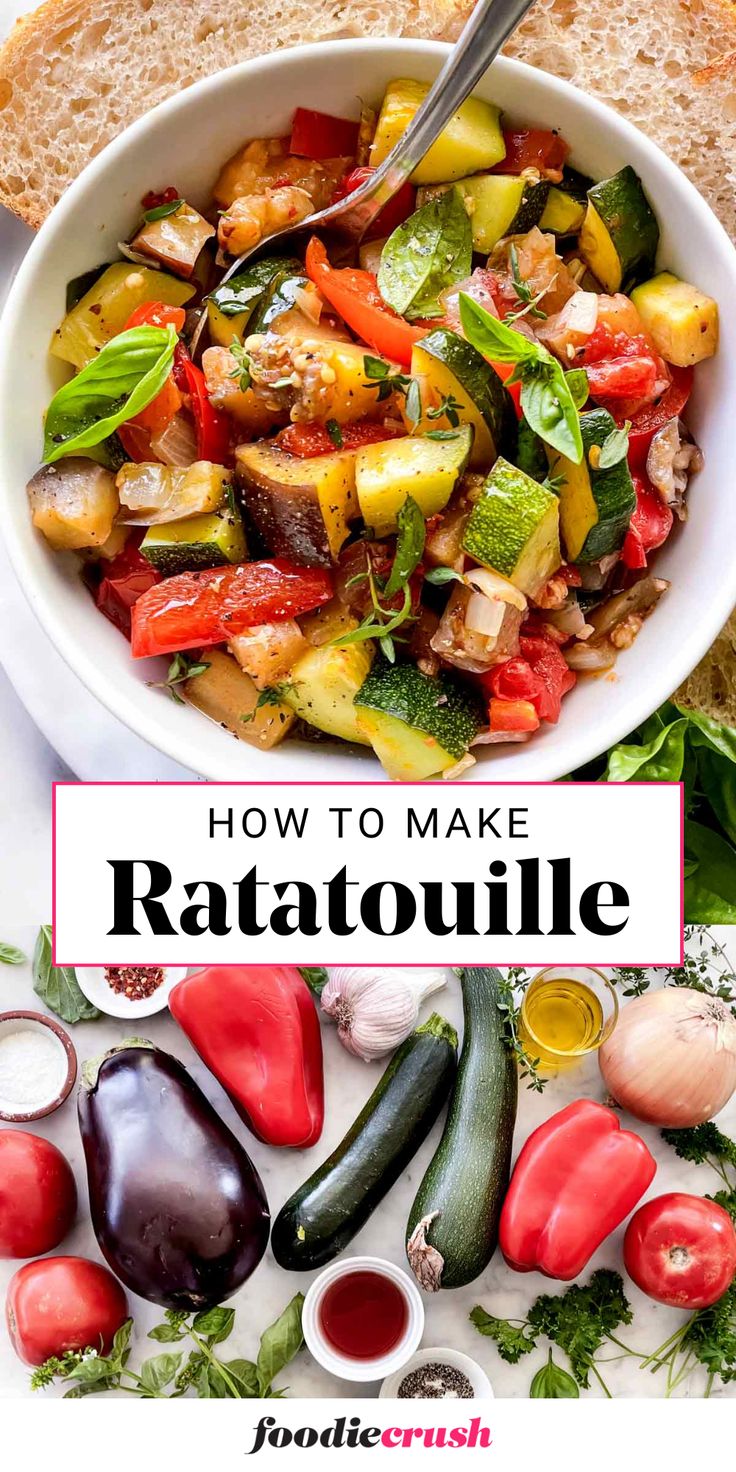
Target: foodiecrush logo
[350, 1432]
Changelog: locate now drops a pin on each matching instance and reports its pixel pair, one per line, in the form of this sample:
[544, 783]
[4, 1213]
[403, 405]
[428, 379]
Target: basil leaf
[160, 211]
[215, 1324]
[440, 575]
[280, 1343]
[710, 888]
[429, 252]
[159, 1372]
[57, 985]
[493, 338]
[246, 1375]
[553, 1383]
[615, 447]
[10, 955]
[123, 379]
[167, 1334]
[409, 546]
[577, 382]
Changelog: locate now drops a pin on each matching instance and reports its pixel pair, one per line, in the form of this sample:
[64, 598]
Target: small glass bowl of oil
[567, 1012]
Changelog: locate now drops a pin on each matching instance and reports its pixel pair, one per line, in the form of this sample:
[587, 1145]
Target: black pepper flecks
[436, 1382]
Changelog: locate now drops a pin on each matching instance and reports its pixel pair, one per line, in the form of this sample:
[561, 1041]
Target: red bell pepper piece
[512, 715]
[309, 440]
[578, 1175]
[320, 135]
[196, 609]
[126, 578]
[646, 422]
[355, 295]
[392, 215]
[157, 314]
[213, 428]
[256, 1028]
[532, 148]
[650, 524]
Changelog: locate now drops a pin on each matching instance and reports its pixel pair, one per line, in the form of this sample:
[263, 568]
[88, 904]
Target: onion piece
[309, 302]
[492, 585]
[177, 443]
[671, 1059]
[484, 615]
[590, 658]
[640, 598]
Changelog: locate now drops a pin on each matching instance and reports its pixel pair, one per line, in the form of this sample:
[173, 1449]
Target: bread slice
[711, 687]
[76, 72]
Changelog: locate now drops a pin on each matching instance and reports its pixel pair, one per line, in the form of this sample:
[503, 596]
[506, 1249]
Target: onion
[494, 586]
[484, 615]
[671, 1059]
[177, 443]
[591, 657]
[309, 302]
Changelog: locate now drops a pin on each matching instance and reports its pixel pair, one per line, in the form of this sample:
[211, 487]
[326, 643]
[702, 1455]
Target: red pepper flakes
[134, 982]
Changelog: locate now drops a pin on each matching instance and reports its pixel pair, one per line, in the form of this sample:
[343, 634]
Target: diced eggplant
[151, 494]
[228, 696]
[302, 508]
[74, 503]
[175, 240]
[268, 651]
[253, 412]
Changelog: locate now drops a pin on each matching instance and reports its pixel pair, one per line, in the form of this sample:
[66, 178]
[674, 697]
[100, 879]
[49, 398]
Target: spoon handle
[489, 26]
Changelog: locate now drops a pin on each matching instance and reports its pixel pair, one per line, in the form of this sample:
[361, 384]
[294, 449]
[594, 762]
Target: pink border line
[423, 786]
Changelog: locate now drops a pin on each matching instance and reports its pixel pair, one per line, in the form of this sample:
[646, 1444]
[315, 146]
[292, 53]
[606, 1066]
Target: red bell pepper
[213, 428]
[512, 715]
[355, 295]
[320, 135]
[256, 1028]
[578, 1175]
[157, 314]
[126, 578]
[392, 215]
[532, 148]
[195, 609]
[650, 524]
[308, 440]
[647, 421]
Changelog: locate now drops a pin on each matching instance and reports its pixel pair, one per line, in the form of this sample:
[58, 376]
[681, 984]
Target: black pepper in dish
[134, 982]
[436, 1382]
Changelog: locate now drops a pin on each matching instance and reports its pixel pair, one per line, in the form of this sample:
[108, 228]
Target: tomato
[38, 1197]
[512, 715]
[355, 295]
[155, 198]
[63, 1303]
[392, 215]
[125, 578]
[546, 662]
[620, 366]
[156, 314]
[136, 441]
[646, 422]
[308, 440]
[514, 679]
[320, 135]
[213, 428]
[196, 609]
[532, 148]
[650, 524]
[161, 410]
[681, 1250]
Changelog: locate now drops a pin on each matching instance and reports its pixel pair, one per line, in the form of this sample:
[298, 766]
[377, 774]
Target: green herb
[413, 402]
[10, 955]
[382, 622]
[705, 1144]
[120, 381]
[242, 369]
[181, 668]
[516, 981]
[160, 211]
[442, 434]
[270, 695]
[168, 1376]
[577, 382]
[615, 447]
[376, 371]
[546, 397]
[512, 1336]
[707, 970]
[449, 408]
[553, 1383]
[315, 977]
[438, 576]
[335, 433]
[553, 483]
[708, 1338]
[409, 546]
[524, 292]
[426, 254]
[57, 986]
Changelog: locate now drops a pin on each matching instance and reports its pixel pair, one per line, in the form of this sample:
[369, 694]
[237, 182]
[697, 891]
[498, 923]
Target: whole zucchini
[325, 1213]
[453, 1224]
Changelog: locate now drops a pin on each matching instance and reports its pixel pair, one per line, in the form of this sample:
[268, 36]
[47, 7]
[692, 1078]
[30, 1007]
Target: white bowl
[341, 1365]
[185, 140]
[482, 1389]
[98, 991]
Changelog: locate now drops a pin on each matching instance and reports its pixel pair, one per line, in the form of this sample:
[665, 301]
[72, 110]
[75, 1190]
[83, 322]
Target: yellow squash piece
[681, 320]
[302, 507]
[226, 694]
[599, 251]
[425, 469]
[472, 140]
[104, 310]
[323, 687]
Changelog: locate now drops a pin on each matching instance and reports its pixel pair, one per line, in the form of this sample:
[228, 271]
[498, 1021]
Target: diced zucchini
[228, 696]
[531, 456]
[596, 505]
[448, 369]
[681, 320]
[154, 493]
[566, 204]
[502, 204]
[472, 140]
[232, 304]
[417, 726]
[619, 234]
[514, 529]
[196, 542]
[425, 469]
[104, 310]
[301, 507]
[323, 685]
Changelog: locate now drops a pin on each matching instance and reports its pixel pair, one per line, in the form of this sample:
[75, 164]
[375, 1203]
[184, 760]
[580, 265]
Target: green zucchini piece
[566, 204]
[323, 1216]
[596, 505]
[619, 235]
[280, 298]
[232, 304]
[426, 469]
[323, 685]
[447, 368]
[210, 540]
[458, 1205]
[514, 528]
[531, 456]
[417, 726]
[498, 205]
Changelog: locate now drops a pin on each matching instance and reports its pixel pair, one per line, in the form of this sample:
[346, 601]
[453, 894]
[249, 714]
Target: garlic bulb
[376, 1007]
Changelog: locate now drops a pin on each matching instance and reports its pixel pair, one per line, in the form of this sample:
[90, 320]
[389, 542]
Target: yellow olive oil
[560, 1019]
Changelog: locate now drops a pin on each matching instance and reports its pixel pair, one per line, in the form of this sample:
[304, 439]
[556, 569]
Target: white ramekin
[344, 1366]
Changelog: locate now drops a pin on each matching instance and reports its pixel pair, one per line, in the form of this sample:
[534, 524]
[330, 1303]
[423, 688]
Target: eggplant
[178, 1208]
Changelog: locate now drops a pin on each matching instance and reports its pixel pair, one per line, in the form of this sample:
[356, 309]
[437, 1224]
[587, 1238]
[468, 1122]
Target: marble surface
[348, 1083]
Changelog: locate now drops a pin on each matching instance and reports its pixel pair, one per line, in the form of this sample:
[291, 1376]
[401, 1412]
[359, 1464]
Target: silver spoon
[490, 24]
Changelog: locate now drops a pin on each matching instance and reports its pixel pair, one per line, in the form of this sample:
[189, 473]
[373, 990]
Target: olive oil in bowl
[566, 1013]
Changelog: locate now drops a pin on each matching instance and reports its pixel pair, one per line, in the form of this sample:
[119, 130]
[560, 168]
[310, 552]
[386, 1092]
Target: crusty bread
[712, 686]
[75, 72]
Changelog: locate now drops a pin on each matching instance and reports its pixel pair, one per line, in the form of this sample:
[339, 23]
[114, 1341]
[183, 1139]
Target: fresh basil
[10, 955]
[658, 760]
[280, 1343]
[120, 381]
[710, 887]
[577, 382]
[410, 541]
[553, 1383]
[438, 576]
[615, 447]
[57, 986]
[547, 398]
[160, 211]
[216, 1324]
[431, 251]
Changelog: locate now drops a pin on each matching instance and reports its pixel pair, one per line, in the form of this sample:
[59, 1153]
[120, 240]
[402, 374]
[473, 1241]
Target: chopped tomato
[125, 579]
[319, 135]
[570, 575]
[514, 680]
[153, 200]
[355, 295]
[647, 421]
[136, 441]
[548, 664]
[203, 608]
[213, 427]
[512, 715]
[393, 214]
[619, 366]
[532, 148]
[157, 314]
[308, 440]
[650, 524]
